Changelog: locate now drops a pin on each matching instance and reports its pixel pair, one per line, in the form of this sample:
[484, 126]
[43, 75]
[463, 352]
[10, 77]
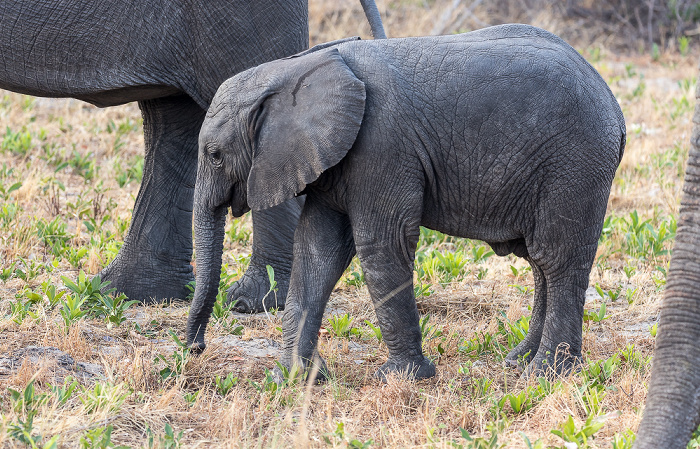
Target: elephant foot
[521, 355]
[559, 363]
[148, 282]
[251, 293]
[413, 369]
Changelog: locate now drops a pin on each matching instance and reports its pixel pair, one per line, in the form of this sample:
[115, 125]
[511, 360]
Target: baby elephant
[505, 135]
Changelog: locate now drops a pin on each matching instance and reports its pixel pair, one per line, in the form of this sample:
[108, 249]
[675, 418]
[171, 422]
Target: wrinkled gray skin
[672, 410]
[170, 56]
[506, 135]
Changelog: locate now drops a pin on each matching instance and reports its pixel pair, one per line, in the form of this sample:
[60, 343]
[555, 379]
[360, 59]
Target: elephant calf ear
[306, 127]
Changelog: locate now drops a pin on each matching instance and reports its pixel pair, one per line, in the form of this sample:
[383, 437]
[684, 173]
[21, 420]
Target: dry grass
[397, 414]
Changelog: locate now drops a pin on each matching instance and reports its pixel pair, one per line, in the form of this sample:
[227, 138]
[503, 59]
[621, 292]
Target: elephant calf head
[266, 136]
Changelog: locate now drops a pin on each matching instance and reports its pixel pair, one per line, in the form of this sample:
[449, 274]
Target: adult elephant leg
[522, 354]
[154, 263]
[273, 241]
[672, 410]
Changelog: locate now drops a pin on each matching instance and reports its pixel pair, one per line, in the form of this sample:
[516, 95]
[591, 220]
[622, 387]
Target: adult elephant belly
[170, 56]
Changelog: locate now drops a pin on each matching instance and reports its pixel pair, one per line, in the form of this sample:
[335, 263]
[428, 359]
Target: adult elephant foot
[146, 281]
[553, 363]
[273, 241]
[252, 294]
[154, 263]
[522, 354]
[420, 368]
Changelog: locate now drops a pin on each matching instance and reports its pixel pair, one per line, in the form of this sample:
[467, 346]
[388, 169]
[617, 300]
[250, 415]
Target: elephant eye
[215, 156]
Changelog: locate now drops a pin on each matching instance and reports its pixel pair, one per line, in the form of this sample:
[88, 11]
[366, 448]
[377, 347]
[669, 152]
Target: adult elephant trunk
[673, 401]
[374, 18]
[209, 222]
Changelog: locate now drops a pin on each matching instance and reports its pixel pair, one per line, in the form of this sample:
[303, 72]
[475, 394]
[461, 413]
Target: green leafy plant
[513, 332]
[538, 444]
[569, 433]
[52, 295]
[481, 253]
[191, 397]
[591, 397]
[132, 173]
[175, 362]
[522, 289]
[17, 142]
[224, 385]
[495, 428]
[20, 310]
[64, 392]
[355, 278]
[238, 232]
[5, 194]
[600, 372]
[341, 325]
[596, 316]
[71, 310]
[520, 402]
[481, 344]
[634, 358]
[623, 440]
[89, 290]
[112, 308]
[376, 330]
[340, 437]
[26, 403]
[169, 440]
[53, 234]
[104, 397]
[99, 438]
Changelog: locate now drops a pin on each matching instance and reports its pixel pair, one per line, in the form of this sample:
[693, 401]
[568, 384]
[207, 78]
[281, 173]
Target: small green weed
[494, 428]
[99, 438]
[224, 385]
[175, 363]
[18, 143]
[341, 325]
[104, 397]
[340, 438]
[623, 440]
[569, 433]
[376, 331]
[64, 392]
[169, 440]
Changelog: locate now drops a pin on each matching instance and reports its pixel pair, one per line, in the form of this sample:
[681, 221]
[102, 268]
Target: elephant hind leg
[154, 263]
[526, 350]
[566, 278]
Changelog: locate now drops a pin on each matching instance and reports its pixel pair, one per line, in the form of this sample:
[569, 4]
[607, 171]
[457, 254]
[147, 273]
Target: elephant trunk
[673, 401]
[209, 225]
[374, 18]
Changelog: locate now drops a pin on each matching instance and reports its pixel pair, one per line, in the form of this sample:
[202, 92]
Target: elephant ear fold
[305, 127]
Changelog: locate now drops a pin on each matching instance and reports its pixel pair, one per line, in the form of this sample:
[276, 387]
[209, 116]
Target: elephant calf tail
[623, 142]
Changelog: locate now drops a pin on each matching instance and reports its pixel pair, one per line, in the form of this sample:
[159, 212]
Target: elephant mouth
[238, 201]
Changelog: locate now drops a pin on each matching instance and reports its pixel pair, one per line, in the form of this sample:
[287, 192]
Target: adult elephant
[170, 56]
[673, 401]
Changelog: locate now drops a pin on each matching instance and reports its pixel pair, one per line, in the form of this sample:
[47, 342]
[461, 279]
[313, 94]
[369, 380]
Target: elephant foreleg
[322, 251]
[154, 263]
